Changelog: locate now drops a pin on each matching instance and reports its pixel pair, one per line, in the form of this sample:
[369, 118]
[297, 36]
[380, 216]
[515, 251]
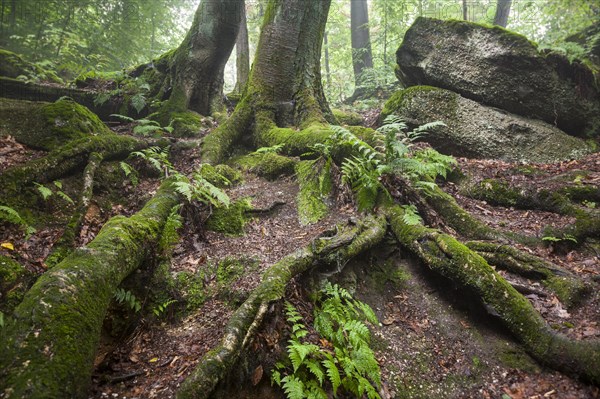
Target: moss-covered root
[569, 288]
[445, 255]
[349, 242]
[67, 159]
[464, 223]
[316, 187]
[48, 348]
[67, 241]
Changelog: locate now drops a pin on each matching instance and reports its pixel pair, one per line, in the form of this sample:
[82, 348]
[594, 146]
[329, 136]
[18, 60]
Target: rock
[474, 130]
[46, 126]
[14, 66]
[496, 67]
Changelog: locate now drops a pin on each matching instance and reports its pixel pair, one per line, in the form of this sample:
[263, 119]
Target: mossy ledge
[443, 254]
[349, 242]
[48, 347]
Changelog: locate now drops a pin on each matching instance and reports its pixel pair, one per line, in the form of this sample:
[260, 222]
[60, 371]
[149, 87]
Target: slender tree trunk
[465, 10]
[199, 62]
[61, 41]
[362, 56]
[502, 12]
[327, 67]
[242, 49]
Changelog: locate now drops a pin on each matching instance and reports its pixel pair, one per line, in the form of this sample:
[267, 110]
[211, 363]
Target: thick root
[445, 255]
[568, 287]
[48, 347]
[337, 250]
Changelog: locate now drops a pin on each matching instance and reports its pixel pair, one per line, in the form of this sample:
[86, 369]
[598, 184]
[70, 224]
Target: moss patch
[222, 176]
[14, 282]
[345, 117]
[14, 66]
[230, 221]
[316, 185]
[268, 165]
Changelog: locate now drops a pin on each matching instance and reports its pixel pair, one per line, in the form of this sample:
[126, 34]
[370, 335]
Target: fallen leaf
[8, 245]
[153, 360]
[257, 375]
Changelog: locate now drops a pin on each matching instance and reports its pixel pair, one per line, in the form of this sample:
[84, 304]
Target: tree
[502, 11]
[242, 54]
[362, 56]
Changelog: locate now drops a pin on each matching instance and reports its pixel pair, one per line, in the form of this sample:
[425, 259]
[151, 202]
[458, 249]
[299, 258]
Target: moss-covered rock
[502, 69]
[347, 117]
[269, 165]
[47, 126]
[477, 131]
[222, 176]
[14, 66]
[230, 221]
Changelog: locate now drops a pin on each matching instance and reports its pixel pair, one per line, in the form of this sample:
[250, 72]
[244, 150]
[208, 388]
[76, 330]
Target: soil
[433, 340]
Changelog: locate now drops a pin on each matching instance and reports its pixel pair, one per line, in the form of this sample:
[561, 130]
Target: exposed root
[48, 347]
[67, 241]
[349, 242]
[568, 287]
[444, 254]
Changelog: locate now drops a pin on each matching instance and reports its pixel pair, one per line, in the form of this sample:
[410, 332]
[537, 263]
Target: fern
[274, 149]
[44, 191]
[130, 172]
[158, 158]
[9, 215]
[411, 216]
[138, 102]
[128, 298]
[200, 189]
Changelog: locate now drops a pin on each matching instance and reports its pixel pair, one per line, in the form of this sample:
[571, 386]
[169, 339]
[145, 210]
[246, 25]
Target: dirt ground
[433, 341]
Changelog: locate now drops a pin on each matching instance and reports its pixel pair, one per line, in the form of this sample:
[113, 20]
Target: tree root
[67, 159]
[47, 349]
[67, 241]
[569, 288]
[336, 250]
[445, 255]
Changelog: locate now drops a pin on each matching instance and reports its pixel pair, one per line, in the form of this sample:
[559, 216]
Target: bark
[465, 10]
[502, 12]
[198, 63]
[362, 57]
[242, 49]
[327, 67]
[445, 255]
[323, 251]
[49, 345]
[284, 88]
[66, 242]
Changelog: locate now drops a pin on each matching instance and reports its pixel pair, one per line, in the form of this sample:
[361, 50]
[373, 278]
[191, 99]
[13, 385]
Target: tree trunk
[284, 88]
[465, 10]
[47, 350]
[502, 12]
[362, 57]
[242, 49]
[198, 64]
[327, 67]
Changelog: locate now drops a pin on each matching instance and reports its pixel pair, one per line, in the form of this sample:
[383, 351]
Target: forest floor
[433, 341]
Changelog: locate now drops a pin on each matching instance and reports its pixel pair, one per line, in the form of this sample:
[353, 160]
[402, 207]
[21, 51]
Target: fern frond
[411, 215]
[333, 373]
[293, 387]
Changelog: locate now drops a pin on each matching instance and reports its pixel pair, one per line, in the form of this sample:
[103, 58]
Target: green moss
[15, 280]
[229, 270]
[517, 359]
[347, 117]
[14, 66]
[230, 221]
[186, 124]
[314, 178]
[268, 165]
[222, 176]
[396, 101]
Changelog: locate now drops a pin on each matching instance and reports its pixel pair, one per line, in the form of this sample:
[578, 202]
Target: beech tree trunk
[362, 56]
[502, 12]
[242, 50]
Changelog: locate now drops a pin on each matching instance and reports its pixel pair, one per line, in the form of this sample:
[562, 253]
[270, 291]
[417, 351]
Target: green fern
[158, 158]
[10, 215]
[411, 215]
[130, 172]
[273, 149]
[126, 297]
[200, 189]
[338, 319]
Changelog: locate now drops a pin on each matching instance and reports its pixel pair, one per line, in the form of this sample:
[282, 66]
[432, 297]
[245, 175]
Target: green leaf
[43, 190]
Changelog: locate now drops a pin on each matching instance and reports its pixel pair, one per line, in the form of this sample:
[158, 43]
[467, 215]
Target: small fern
[273, 149]
[126, 297]
[351, 366]
[200, 189]
[411, 215]
[10, 215]
[130, 172]
[158, 158]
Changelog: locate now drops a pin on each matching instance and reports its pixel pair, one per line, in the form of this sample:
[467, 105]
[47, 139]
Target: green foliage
[267, 150]
[346, 362]
[126, 297]
[1, 320]
[565, 237]
[10, 215]
[411, 215]
[200, 189]
[130, 172]
[392, 155]
[158, 158]
[169, 234]
[144, 127]
[159, 309]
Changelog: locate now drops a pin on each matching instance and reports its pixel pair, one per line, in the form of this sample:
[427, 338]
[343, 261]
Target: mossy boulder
[502, 69]
[14, 66]
[47, 126]
[269, 165]
[477, 131]
[230, 221]
[347, 117]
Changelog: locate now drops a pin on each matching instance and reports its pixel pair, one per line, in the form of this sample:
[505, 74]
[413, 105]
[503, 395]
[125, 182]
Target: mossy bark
[349, 242]
[284, 88]
[443, 254]
[48, 348]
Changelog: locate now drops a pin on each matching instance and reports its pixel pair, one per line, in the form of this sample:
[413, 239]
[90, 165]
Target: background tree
[242, 49]
[362, 55]
[502, 12]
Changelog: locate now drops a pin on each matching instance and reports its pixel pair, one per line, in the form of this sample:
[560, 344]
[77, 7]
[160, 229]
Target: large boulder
[476, 131]
[503, 69]
[46, 126]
